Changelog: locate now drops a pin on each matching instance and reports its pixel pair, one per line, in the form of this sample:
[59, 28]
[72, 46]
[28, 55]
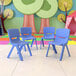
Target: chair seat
[57, 43]
[28, 38]
[20, 43]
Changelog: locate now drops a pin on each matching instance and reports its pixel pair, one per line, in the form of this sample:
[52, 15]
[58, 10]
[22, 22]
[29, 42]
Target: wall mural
[71, 23]
[38, 7]
[28, 8]
[5, 13]
[64, 5]
[38, 10]
[48, 10]
[69, 19]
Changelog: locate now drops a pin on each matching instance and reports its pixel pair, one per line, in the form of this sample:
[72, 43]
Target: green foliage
[28, 7]
[65, 4]
[28, 1]
[48, 9]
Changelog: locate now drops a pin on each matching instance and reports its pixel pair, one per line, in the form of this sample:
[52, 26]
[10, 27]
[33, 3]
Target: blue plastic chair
[16, 42]
[48, 34]
[62, 37]
[26, 34]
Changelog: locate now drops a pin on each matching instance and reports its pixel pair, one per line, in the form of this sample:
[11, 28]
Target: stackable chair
[26, 34]
[48, 34]
[16, 42]
[62, 37]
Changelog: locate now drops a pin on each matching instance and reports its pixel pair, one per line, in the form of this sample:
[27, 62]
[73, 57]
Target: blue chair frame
[48, 34]
[62, 37]
[26, 34]
[14, 37]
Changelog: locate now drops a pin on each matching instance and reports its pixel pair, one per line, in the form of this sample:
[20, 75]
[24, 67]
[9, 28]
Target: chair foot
[10, 52]
[46, 55]
[47, 51]
[68, 51]
[60, 59]
[61, 56]
[29, 50]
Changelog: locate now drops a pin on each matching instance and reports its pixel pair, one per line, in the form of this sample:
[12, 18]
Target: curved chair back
[26, 31]
[62, 35]
[48, 31]
[13, 35]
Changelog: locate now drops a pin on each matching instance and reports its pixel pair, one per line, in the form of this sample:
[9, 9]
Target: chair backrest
[26, 31]
[49, 31]
[62, 35]
[13, 35]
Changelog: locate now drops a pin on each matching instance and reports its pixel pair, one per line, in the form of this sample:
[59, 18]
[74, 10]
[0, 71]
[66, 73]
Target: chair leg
[42, 43]
[19, 53]
[36, 44]
[48, 50]
[29, 49]
[21, 48]
[61, 56]
[32, 42]
[54, 49]
[68, 51]
[10, 52]
[24, 48]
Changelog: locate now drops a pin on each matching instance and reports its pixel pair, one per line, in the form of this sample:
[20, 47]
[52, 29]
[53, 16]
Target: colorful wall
[17, 20]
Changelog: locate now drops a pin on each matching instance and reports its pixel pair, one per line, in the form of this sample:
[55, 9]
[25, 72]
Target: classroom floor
[38, 64]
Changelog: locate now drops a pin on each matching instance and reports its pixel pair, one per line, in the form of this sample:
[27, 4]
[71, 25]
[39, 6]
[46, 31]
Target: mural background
[17, 20]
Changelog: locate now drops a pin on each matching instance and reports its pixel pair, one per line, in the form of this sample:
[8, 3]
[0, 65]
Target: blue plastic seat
[14, 38]
[48, 34]
[26, 34]
[62, 37]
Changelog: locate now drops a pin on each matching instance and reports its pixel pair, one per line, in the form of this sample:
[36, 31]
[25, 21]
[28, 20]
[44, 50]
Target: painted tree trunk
[2, 21]
[29, 22]
[44, 23]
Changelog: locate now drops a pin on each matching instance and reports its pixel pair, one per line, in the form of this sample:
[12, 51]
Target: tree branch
[6, 17]
[63, 20]
[66, 12]
[2, 4]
